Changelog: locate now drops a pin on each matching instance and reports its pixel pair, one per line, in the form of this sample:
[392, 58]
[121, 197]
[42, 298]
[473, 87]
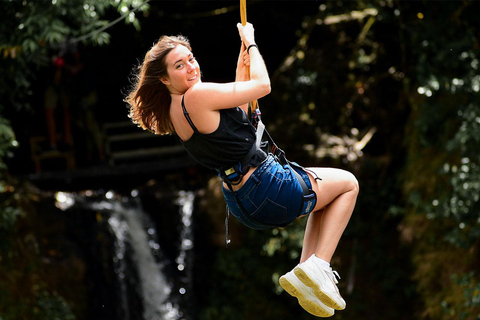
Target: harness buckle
[233, 175]
[230, 171]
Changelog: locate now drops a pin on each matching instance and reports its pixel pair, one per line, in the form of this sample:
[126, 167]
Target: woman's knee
[352, 180]
[334, 181]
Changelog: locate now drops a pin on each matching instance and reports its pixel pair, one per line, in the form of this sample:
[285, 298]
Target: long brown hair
[149, 98]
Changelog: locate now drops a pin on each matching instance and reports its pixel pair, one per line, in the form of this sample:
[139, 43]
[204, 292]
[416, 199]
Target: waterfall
[127, 225]
[137, 253]
[119, 227]
[185, 201]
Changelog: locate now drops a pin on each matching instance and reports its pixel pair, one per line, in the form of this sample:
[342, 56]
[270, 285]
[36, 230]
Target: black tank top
[227, 145]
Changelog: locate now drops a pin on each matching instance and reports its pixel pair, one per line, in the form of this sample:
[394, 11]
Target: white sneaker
[306, 297]
[322, 280]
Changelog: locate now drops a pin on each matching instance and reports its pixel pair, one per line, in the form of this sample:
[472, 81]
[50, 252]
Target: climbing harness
[233, 175]
[268, 146]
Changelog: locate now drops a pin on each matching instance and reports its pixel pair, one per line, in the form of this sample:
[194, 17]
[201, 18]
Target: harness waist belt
[235, 173]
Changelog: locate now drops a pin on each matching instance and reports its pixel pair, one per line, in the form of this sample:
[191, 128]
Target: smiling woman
[182, 70]
[260, 190]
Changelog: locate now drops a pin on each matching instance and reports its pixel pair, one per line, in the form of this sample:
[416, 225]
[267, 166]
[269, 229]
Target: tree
[29, 31]
[442, 171]
[411, 71]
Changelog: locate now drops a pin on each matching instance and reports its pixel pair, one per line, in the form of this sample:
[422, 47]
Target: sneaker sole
[306, 304]
[322, 296]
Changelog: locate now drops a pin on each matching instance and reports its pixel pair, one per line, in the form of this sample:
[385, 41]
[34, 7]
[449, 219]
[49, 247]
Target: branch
[334, 19]
[354, 15]
[109, 25]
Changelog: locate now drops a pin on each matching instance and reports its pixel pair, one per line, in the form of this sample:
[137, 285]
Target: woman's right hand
[247, 33]
[242, 73]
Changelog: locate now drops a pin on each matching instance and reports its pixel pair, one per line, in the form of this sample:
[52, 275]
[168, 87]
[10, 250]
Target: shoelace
[333, 275]
[337, 276]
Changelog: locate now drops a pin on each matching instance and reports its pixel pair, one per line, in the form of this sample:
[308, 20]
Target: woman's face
[182, 69]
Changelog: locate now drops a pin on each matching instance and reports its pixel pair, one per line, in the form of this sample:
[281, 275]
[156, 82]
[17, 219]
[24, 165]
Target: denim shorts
[271, 197]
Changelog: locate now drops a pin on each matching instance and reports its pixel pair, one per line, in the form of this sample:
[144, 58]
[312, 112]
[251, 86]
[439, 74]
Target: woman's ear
[165, 81]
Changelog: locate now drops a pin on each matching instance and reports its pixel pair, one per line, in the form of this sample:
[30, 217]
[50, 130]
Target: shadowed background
[385, 89]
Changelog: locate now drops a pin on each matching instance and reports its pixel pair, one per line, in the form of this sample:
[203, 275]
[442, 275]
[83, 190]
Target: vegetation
[393, 70]
[386, 89]
[30, 30]
[442, 169]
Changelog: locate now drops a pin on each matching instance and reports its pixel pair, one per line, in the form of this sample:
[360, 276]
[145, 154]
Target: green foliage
[46, 306]
[30, 31]
[43, 278]
[7, 142]
[448, 121]
[463, 203]
[54, 307]
[8, 213]
[471, 295]
[439, 68]
[243, 286]
[442, 171]
[8, 217]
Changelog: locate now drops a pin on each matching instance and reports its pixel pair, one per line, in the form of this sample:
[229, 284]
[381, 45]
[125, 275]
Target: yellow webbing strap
[243, 18]
[243, 11]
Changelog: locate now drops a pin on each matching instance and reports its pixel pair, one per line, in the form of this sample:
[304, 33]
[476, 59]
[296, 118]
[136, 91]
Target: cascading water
[185, 201]
[138, 261]
[127, 225]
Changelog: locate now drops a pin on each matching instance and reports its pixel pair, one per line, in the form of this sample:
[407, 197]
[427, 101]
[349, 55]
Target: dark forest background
[386, 89]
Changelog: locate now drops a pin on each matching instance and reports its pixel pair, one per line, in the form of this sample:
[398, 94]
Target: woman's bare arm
[215, 96]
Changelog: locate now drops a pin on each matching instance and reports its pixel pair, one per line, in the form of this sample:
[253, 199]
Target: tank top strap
[187, 116]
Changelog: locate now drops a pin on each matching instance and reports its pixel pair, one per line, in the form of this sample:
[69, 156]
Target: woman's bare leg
[336, 196]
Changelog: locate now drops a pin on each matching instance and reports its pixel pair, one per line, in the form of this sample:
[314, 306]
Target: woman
[210, 120]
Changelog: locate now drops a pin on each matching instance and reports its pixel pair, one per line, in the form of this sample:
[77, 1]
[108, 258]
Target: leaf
[29, 45]
[101, 38]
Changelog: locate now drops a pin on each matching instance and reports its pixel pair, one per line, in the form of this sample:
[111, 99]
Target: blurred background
[101, 220]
